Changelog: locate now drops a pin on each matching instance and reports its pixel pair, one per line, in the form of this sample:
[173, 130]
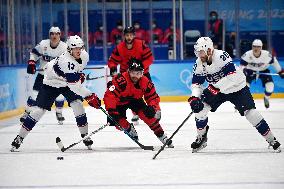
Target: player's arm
[147, 56]
[152, 99]
[113, 61]
[196, 87]
[35, 54]
[277, 66]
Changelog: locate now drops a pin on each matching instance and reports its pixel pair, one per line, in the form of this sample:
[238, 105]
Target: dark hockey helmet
[129, 29]
[135, 65]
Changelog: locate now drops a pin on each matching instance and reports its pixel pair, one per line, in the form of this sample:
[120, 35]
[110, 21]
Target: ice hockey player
[131, 47]
[45, 51]
[226, 83]
[63, 75]
[255, 65]
[126, 91]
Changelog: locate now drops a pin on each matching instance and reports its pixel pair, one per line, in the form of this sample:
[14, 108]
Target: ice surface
[236, 155]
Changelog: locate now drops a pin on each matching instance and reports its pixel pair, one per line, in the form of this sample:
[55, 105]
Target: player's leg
[44, 102]
[135, 118]
[31, 102]
[139, 107]
[244, 102]
[59, 103]
[267, 83]
[76, 103]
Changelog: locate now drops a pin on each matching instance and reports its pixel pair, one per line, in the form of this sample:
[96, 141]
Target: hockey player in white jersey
[63, 75]
[256, 63]
[226, 83]
[44, 52]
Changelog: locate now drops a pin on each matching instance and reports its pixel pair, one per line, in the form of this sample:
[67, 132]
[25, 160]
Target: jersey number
[71, 66]
[224, 56]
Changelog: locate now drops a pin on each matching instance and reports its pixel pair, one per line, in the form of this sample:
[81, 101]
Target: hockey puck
[60, 158]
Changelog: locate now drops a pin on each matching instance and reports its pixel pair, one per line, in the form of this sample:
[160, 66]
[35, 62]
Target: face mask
[136, 26]
[119, 27]
[101, 28]
[153, 25]
[213, 18]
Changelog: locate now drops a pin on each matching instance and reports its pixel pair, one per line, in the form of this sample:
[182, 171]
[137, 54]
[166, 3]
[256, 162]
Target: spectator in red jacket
[116, 34]
[140, 33]
[169, 37]
[157, 32]
[215, 29]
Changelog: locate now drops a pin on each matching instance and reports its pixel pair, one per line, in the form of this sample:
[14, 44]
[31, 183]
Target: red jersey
[121, 55]
[123, 90]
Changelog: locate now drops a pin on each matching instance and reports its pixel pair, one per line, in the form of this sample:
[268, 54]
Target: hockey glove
[82, 77]
[93, 101]
[248, 72]
[281, 74]
[210, 94]
[150, 112]
[31, 69]
[196, 104]
[113, 71]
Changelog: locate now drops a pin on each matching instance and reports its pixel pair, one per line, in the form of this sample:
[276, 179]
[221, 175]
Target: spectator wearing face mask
[140, 33]
[157, 32]
[215, 29]
[116, 34]
[98, 35]
[168, 35]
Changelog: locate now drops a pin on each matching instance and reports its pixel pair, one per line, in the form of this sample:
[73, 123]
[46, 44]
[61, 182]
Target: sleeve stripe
[58, 71]
[114, 59]
[35, 51]
[147, 57]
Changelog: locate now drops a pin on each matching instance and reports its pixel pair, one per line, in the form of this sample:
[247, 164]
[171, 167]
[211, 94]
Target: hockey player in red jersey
[126, 91]
[127, 49]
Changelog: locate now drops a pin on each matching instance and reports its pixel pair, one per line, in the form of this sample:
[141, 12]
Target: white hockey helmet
[203, 43]
[54, 30]
[257, 43]
[74, 41]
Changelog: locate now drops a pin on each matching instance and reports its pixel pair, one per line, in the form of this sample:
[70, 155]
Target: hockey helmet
[203, 43]
[257, 43]
[54, 30]
[74, 41]
[129, 29]
[135, 65]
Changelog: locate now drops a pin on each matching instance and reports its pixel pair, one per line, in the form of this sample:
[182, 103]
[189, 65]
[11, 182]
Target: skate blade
[60, 122]
[89, 147]
[14, 149]
[200, 148]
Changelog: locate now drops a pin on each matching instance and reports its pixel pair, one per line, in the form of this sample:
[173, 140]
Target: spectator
[215, 29]
[140, 33]
[98, 35]
[157, 34]
[116, 34]
[168, 35]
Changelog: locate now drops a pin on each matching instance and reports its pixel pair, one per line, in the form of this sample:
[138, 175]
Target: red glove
[93, 101]
[31, 69]
[82, 77]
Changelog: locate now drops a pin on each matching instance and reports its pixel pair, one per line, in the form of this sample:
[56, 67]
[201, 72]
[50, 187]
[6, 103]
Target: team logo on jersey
[111, 88]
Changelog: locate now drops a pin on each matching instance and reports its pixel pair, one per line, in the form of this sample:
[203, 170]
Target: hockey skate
[132, 132]
[24, 116]
[16, 143]
[200, 142]
[135, 120]
[164, 139]
[88, 141]
[266, 102]
[59, 118]
[275, 145]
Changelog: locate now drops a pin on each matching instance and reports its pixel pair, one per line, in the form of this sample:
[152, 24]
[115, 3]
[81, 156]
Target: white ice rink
[236, 155]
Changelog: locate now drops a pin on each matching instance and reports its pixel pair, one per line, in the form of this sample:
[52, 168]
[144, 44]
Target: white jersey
[260, 63]
[45, 53]
[64, 71]
[221, 73]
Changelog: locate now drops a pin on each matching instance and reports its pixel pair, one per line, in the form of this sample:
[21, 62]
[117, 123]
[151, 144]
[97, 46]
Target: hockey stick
[63, 149]
[93, 78]
[272, 74]
[163, 147]
[124, 130]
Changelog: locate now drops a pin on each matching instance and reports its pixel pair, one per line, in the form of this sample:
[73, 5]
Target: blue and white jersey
[64, 71]
[260, 63]
[45, 53]
[221, 73]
